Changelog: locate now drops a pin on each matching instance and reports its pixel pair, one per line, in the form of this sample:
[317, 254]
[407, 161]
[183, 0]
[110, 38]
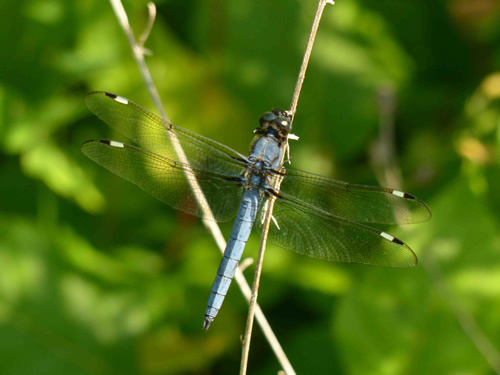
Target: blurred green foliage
[96, 277]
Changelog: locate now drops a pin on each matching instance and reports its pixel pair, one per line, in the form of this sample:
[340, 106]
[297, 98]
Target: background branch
[384, 160]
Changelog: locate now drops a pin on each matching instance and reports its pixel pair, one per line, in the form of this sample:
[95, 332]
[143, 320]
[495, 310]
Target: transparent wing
[360, 203]
[168, 180]
[155, 135]
[309, 231]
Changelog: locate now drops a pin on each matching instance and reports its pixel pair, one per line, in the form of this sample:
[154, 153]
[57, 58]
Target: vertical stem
[255, 292]
[260, 258]
[307, 55]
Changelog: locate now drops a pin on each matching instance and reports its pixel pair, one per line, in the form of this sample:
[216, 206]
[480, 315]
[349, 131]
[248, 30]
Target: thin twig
[137, 51]
[307, 55]
[209, 224]
[149, 26]
[391, 176]
[255, 290]
[245, 263]
[260, 258]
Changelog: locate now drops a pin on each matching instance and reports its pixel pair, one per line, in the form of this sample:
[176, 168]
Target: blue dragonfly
[313, 215]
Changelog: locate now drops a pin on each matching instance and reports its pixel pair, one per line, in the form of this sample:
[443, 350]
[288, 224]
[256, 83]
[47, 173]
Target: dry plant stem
[307, 55]
[213, 228]
[138, 52]
[258, 266]
[149, 26]
[392, 177]
[255, 290]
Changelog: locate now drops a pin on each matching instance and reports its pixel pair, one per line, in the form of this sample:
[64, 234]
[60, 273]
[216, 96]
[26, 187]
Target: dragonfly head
[277, 123]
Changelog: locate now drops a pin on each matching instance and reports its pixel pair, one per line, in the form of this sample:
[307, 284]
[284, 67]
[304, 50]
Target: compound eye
[267, 117]
[283, 122]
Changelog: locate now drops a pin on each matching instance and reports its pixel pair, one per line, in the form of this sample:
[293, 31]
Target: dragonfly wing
[161, 137]
[317, 234]
[168, 180]
[360, 203]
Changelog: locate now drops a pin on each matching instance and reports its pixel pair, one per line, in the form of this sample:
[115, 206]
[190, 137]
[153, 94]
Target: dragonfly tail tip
[206, 323]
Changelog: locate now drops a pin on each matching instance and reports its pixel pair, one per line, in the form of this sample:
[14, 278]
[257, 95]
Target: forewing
[360, 203]
[159, 136]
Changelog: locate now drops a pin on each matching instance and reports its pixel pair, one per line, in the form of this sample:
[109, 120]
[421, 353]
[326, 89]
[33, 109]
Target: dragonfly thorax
[257, 175]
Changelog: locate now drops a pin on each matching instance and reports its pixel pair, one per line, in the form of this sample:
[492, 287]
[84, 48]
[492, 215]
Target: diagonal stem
[211, 225]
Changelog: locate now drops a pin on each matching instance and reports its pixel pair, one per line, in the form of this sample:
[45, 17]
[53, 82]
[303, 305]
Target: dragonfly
[312, 215]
